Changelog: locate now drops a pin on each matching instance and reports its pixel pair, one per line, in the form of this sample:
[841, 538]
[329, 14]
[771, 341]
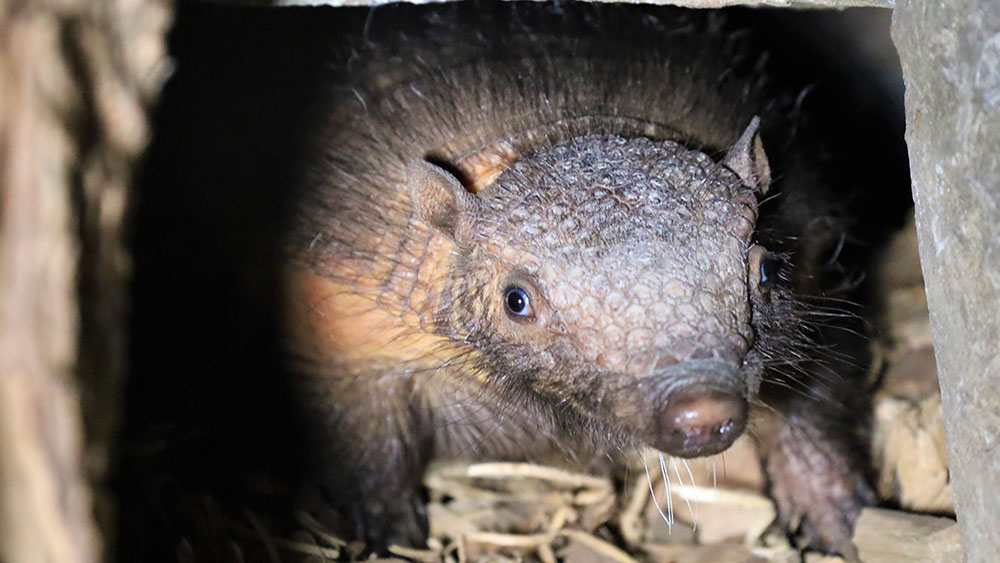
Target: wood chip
[909, 450]
[890, 536]
[723, 552]
[509, 470]
[602, 549]
[721, 514]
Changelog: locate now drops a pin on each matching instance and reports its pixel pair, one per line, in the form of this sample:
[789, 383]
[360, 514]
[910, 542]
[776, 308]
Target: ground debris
[729, 552]
[894, 536]
[908, 447]
[910, 452]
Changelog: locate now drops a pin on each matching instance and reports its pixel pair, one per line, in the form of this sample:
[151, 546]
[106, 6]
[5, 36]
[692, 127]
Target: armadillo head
[615, 275]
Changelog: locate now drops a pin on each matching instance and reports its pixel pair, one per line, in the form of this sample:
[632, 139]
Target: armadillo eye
[770, 268]
[517, 303]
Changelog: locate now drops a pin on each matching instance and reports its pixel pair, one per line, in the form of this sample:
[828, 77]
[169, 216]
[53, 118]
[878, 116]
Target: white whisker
[656, 503]
[680, 481]
[666, 485]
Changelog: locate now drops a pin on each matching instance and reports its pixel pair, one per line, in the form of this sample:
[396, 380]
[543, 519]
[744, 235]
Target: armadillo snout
[696, 421]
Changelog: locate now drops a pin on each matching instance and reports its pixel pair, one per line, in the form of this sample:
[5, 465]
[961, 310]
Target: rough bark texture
[75, 80]
[951, 62]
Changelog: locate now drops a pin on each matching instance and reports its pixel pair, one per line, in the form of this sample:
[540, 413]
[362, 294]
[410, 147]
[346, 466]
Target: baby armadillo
[528, 229]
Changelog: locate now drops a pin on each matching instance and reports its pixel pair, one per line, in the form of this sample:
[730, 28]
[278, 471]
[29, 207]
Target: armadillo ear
[747, 159]
[441, 200]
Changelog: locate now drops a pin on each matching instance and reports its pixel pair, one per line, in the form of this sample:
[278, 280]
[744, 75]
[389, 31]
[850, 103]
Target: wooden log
[76, 79]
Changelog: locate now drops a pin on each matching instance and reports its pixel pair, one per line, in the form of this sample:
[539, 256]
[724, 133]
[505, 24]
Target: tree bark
[76, 81]
[951, 64]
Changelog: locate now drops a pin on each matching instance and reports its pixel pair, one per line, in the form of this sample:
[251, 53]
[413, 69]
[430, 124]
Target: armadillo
[527, 229]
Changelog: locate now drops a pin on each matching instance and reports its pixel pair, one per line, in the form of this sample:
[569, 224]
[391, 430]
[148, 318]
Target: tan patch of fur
[485, 166]
[333, 321]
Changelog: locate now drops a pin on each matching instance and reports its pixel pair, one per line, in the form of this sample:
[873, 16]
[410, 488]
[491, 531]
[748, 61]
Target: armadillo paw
[400, 520]
[819, 490]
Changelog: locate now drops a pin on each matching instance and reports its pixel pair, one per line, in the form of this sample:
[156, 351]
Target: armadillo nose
[700, 422]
